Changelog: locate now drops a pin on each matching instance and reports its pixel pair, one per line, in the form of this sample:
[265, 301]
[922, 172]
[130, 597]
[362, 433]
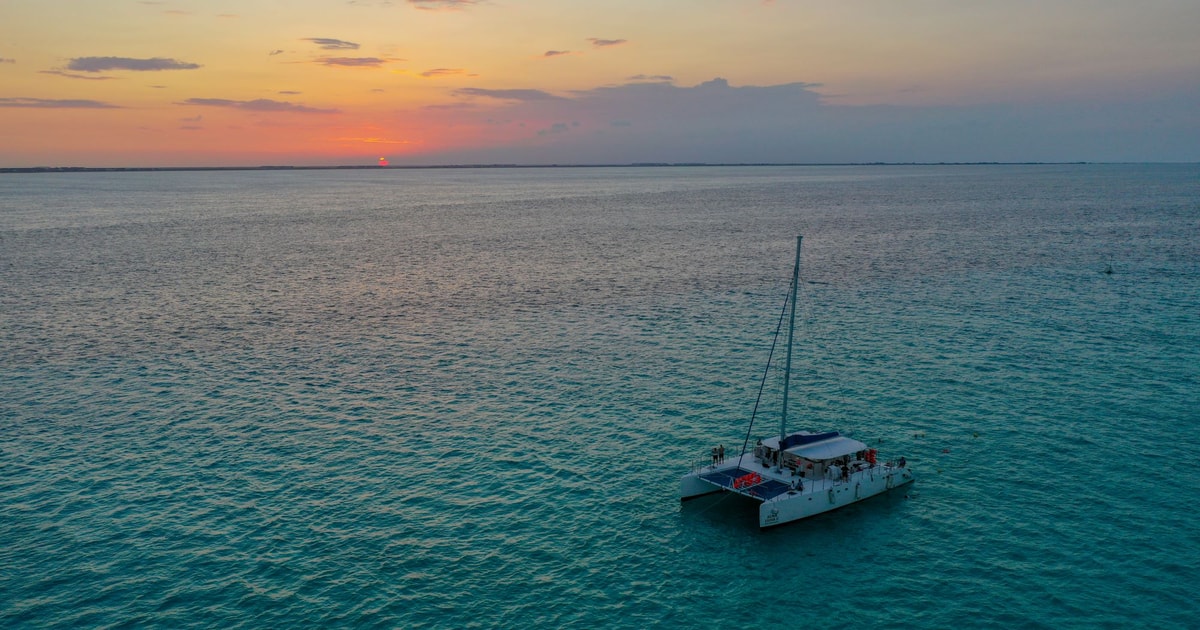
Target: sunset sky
[421, 82]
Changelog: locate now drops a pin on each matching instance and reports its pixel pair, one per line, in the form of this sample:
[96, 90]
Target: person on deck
[721, 453]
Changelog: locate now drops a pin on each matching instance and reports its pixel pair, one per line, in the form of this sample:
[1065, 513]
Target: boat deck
[764, 490]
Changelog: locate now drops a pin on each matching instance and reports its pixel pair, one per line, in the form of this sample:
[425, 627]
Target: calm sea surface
[464, 398]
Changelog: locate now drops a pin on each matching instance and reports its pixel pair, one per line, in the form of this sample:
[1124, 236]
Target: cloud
[721, 84]
[275, 52]
[507, 95]
[375, 140]
[70, 75]
[3, 60]
[288, 92]
[603, 43]
[719, 122]
[659, 78]
[443, 72]
[327, 43]
[54, 103]
[259, 105]
[460, 106]
[352, 62]
[555, 53]
[443, 5]
[557, 128]
[657, 121]
[100, 64]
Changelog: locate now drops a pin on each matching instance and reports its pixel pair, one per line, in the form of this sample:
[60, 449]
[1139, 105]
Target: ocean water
[464, 398]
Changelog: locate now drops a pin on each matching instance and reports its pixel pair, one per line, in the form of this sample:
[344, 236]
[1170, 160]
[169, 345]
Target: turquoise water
[464, 398]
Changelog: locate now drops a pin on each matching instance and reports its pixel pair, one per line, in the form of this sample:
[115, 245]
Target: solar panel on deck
[767, 489]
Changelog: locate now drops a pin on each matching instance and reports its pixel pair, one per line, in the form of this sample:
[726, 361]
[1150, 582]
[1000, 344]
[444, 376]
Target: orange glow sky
[253, 82]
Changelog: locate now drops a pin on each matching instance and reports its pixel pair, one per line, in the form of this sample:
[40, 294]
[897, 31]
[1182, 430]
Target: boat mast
[787, 371]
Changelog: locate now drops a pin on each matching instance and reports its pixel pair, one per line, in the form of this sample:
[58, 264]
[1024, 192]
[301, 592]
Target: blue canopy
[798, 439]
[832, 447]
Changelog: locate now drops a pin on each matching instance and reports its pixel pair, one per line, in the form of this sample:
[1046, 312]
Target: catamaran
[801, 474]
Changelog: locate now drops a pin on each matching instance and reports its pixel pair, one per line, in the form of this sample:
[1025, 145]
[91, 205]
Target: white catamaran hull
[787, 496]
[819, 499]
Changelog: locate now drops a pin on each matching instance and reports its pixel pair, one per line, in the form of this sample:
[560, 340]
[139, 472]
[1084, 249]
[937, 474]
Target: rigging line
[766, 371]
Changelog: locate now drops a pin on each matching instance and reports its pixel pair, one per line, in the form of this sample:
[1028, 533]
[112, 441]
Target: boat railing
[822, 483]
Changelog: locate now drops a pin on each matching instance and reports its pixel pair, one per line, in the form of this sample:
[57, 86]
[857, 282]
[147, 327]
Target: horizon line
[284, 167]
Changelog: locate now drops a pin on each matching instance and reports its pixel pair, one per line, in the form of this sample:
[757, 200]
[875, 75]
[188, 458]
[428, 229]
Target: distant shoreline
[376, 167]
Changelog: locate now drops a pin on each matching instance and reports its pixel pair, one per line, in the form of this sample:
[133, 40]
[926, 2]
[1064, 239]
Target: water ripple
[442, 399]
